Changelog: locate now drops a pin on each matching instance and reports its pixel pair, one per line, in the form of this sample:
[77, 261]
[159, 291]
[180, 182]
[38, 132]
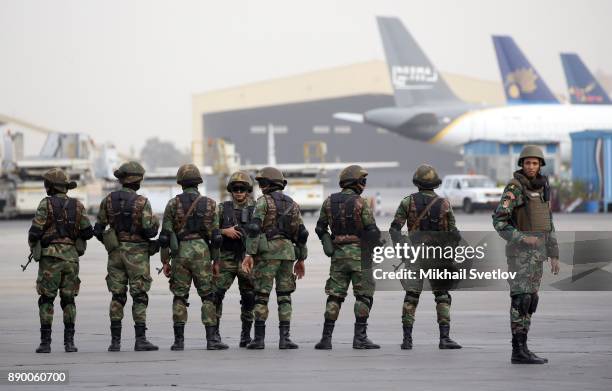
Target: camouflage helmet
[240, 177]
[271, 174]
[426, 177]
[57, 178]
[130, 172]
[531, 151]
[351, 174]
[188, 173]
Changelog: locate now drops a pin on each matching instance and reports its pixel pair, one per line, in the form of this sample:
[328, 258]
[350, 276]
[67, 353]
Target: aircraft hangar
[300, 108]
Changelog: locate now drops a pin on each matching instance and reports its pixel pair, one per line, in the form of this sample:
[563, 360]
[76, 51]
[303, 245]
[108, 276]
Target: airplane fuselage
[450, 129]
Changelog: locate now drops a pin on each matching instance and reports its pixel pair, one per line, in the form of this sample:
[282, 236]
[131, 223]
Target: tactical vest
[344, 211]
[63, 217]
[197, 223]
[534, 214]
[125, 215]
[282, 219]
[431, 221]
[235, 217]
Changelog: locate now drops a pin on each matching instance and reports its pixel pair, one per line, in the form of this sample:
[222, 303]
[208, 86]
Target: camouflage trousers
[528, 265]
[129, 265]
[342, 272]
[265, 272]
[413, 288]
[229, 270]
[57, 274]
[184, 270]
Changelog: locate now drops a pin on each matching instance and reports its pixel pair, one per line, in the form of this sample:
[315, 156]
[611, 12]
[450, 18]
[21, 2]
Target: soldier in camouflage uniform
[234, 216]
[425, 212]
[190, 232]
[276, 238]
[132, 225]
[353, 231]
[60, 227]
[524, 219]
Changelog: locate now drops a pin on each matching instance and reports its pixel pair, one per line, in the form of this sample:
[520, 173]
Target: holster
[36, 251]
[110, 240]
[81, 246]
[328, 245]
[153, 247]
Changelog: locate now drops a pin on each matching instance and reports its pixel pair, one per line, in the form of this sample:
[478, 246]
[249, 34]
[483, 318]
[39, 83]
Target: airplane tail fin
[522, 83]
[414, 78]
[582, 86]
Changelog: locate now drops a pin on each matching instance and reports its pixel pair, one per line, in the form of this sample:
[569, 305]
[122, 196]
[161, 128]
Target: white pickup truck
[470, 192]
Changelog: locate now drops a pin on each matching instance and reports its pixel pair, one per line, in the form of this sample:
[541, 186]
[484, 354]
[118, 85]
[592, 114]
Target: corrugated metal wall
[592, 161]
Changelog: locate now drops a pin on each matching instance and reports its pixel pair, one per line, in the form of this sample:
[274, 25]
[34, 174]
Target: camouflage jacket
[512, 198]
[227, 255]
[406, 213]
[197, 248]
[64, 251]
[351, 250]
[147, 221]
[279, 248]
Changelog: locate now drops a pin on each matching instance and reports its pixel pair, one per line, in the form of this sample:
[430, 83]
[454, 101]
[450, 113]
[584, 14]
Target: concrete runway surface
[572, 329]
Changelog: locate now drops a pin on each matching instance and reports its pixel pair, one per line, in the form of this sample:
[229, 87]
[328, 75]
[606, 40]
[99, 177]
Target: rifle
[30, 257]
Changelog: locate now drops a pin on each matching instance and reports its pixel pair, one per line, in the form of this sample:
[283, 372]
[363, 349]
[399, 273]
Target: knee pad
[141, 298]
[120, 298]
[66, 300]
[367, 300]
[45, 300]
[335, 299]
[209, 297]
[247, 300]
[412, 297]
[442, 297]
[534, 302]
[261, 298]
[522, 303]
[182, 299]
[283, 297]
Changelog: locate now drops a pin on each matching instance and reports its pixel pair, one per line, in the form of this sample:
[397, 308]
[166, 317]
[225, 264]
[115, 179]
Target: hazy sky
[124, 70]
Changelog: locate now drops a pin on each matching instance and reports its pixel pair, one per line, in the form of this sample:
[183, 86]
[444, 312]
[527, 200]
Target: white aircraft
[427, 110]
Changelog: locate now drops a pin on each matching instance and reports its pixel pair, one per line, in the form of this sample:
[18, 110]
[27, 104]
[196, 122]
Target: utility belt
[112, 240]
[79, 244]
[346, 239]
[275, 233]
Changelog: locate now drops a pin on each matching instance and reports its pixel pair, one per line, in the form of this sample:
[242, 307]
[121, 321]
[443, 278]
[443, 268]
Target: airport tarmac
[572, 329]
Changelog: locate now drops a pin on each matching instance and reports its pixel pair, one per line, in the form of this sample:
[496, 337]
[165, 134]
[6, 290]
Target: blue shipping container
[592, 161]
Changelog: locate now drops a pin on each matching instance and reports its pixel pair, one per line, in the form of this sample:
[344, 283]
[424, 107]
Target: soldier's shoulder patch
[510, 195]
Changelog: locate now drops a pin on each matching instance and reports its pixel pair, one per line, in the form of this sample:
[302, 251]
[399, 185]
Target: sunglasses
[239, 189]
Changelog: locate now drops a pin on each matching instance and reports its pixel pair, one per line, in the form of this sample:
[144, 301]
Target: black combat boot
[260, 335]
[520, 352]
[211, 339]
[326, 339]
[361, 340]
[218, 333]
[69, 338]
[245, 334]
[141, 344]
[445, 341]
[179, 337]
[532, 354]
[284, 342]
[115, 329]
[407, 342]
[45, 339]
